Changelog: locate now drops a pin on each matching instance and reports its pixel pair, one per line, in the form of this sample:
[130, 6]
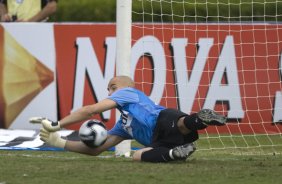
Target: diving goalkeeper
[167, 134]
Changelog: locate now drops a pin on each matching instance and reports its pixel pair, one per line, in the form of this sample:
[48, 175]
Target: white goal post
[217, 54]
[123, 36]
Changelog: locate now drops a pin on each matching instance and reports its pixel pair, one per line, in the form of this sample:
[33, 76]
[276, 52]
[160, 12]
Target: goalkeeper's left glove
[52, 138]
[47, 124]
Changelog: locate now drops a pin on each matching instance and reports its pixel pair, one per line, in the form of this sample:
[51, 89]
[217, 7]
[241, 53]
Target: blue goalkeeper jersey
[138, 115]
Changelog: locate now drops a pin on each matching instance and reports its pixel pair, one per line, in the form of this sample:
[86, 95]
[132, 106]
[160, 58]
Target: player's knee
[181, 126]
[137, 155]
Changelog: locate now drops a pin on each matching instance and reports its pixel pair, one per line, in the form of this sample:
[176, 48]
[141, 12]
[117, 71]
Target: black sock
[160, 154]
[192, 122]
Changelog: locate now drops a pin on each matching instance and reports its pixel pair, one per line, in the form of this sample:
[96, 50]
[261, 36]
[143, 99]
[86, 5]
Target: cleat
[209, 117]
[183, 152]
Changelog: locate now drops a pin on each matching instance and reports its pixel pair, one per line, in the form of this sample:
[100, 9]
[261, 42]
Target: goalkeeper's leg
[163, 154]
[203, 119]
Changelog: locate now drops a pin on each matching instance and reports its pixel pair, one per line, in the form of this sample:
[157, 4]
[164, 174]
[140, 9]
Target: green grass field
[36, 167]
[214, 166]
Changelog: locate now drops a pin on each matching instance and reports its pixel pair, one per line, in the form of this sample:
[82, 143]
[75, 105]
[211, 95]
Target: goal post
[123, 53]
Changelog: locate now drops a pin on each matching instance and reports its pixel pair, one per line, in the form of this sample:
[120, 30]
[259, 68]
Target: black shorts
[167, 134]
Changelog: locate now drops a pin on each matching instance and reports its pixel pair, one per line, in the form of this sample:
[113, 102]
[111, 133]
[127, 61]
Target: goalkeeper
[167, 134]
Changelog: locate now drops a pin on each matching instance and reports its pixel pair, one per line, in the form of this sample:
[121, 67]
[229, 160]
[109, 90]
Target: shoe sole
[191, 149]
[194, 149]
[211, 118]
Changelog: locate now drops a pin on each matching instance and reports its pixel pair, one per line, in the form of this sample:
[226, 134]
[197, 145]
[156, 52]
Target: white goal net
[219, 54]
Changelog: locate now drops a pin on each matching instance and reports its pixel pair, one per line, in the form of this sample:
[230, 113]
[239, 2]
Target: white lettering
[152, 46]
[187, 88]
[226, 92]
[87, 62]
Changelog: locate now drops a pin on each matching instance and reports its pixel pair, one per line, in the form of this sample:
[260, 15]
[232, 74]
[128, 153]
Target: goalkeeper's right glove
[47, 124]
[52, 138]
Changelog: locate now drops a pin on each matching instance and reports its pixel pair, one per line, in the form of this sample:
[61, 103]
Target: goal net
[219, 54]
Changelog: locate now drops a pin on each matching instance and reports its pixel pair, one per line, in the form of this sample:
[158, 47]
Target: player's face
[114, 85]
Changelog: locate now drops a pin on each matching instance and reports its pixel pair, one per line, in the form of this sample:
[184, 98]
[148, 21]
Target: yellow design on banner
[23, 77]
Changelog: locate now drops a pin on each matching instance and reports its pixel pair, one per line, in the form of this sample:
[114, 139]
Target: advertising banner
[28, 77]
[52, 70]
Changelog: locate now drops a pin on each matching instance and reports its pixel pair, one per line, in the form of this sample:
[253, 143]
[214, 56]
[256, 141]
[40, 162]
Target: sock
[170, 154]
[194, 123]
[160, 154]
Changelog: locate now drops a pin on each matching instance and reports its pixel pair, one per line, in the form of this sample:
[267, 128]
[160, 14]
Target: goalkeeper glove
[52, 138]
[47, 124]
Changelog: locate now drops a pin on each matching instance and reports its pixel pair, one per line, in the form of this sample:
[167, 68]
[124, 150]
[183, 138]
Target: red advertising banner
[232, 68]
[235, 69]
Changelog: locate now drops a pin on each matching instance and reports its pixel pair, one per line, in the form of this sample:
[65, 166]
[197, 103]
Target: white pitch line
[56, 157]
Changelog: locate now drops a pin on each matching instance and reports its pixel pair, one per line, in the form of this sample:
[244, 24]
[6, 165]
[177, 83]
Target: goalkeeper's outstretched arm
[54, 139]
[87, 112]
[80, 147]
[79, 115]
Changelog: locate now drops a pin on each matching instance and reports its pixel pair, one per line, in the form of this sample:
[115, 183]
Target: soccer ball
[93, 133]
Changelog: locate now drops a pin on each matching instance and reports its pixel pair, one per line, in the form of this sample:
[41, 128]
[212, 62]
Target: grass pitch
[238, 160]
[214, 166]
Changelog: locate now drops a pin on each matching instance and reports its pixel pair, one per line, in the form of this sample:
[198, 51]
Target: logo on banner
[22, 78]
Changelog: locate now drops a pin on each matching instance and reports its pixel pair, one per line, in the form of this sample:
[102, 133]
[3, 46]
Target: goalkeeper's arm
[54, 139]
[87, 112]
[81, 114]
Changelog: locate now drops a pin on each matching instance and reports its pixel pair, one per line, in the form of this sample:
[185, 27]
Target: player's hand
[47, 124]
[52, 138]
